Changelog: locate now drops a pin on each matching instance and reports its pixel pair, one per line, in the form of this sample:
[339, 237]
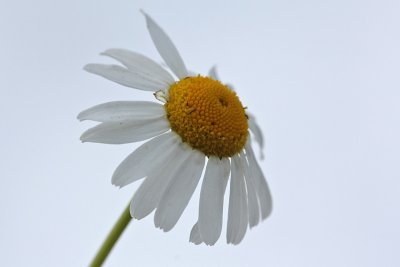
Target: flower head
[200, 123]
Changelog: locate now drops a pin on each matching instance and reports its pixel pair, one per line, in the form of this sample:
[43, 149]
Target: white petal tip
[135, 216]
[146, 16]
[106, 53]
[194, 240]
[87, 137]
[234, 243]
[119, 187]
[149, 20]
[253, 225]
[213, 73]
[166, 229]
[83, 139]
[117, 183]
[265, 216]
[162, 229]
[92, 68]
[80, 117]
[87, 67]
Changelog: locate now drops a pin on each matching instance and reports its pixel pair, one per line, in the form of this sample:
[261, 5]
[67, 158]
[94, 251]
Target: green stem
[112, 238]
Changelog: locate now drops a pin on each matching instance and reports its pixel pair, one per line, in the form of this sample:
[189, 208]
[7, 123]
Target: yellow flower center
[208, 116]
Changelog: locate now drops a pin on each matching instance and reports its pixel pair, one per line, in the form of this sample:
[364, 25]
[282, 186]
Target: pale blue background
[321, 76]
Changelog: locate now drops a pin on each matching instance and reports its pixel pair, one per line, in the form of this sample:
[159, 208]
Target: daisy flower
[199, 125]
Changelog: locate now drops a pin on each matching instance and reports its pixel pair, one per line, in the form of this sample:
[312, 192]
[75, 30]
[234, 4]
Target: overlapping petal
[150, 192]
[179, 191]
[123, 111]
[252, 196]
[263, 192]
[126, 77]
[256, 131]
[123, 132]
[146, 159]
[238, 212]
[212, 199]
[140, 64]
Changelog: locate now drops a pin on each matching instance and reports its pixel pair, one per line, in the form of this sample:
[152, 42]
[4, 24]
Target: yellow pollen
[208, 116]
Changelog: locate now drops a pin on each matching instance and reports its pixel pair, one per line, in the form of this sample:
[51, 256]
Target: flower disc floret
[208, 116]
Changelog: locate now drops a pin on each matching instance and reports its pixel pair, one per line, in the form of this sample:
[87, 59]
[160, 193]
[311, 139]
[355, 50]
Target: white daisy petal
[125, 131]
[252, 196]
[166, 48]
[126, 77]
[230, 86]
[122, 111]
[237, 213]
[179, 191]
[192, 74]
[256, 130]
[195, 237]
[261, 185]
[140, 64]
[212, 199]
[148, 195]
[141, 162]
[213, 73]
